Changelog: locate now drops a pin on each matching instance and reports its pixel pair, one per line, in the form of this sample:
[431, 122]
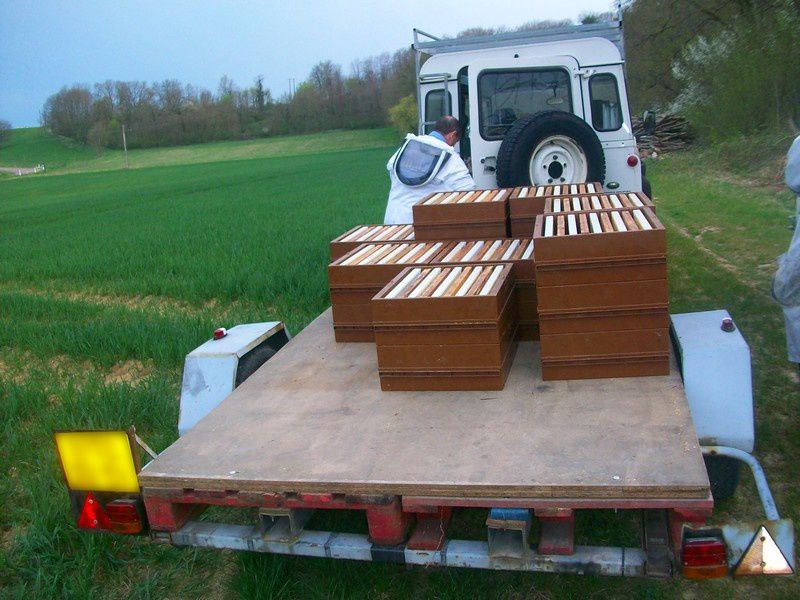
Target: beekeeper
[786, 284]
[425, 164]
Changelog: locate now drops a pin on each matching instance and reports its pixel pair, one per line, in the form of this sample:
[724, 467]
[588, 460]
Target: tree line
[170, 113]
[730, 66]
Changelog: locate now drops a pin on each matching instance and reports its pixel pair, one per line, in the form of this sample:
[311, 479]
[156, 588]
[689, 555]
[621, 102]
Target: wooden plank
[313, 419]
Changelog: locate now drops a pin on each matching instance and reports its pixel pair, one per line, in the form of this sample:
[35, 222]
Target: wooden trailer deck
[313, 419]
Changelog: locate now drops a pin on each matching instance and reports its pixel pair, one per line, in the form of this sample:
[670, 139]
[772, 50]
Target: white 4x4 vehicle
[537, 107]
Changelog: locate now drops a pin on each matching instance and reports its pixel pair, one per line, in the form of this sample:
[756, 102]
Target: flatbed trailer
[311, 429]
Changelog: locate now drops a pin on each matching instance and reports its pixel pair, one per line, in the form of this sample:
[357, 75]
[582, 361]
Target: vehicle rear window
[505, 96]
[606, 108]
[436, 107]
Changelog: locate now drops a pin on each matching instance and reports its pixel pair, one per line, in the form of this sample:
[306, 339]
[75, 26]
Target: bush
[744, 79]
[404, 116]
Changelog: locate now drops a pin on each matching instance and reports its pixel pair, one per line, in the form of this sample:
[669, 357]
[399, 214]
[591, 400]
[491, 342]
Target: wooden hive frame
[362, 234]
[592, 202]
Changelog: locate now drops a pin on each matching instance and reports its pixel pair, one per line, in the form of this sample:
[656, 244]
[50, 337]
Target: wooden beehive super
[590, 202]
[602, 294]
[462, 215]
[356, 277]
[446, 328]
[525, 203]
[597, 235]
[363, 234]
[519, 252]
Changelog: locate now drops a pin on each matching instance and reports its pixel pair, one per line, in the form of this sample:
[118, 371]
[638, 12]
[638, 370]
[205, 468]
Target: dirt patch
[131, 372]
[705, 230]
[14, 373]
[721, 261]
[22, 366]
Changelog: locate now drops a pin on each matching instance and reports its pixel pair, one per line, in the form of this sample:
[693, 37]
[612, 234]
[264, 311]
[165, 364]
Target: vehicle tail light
[125, 516]
[633, 160]
[704, 558]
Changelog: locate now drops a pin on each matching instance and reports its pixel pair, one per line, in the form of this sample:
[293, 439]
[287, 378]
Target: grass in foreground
[108, 279]
[30, 146]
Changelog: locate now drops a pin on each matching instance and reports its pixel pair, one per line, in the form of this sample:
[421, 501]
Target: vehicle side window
[436, 107]
[606, 108]
[505, 96]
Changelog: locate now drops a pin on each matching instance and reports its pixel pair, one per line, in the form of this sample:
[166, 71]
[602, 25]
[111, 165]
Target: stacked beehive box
[518, 252]
[364, 234]
[357, 276]
[527, 203]
[446, 328]
[581, 203]
[462, 215]
[601, 283]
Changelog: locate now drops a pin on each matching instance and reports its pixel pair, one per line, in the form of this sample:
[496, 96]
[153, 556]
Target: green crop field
[33, 145]
[108, 278]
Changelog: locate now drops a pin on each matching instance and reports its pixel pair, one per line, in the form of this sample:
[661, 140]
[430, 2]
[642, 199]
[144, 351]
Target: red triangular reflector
[763, 557]
[92, 514]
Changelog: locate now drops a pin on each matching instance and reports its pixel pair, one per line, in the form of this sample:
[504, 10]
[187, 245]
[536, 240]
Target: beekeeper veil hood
[417, 162]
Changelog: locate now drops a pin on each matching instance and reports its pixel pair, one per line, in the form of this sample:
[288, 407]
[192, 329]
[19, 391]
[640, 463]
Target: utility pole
[125, 145]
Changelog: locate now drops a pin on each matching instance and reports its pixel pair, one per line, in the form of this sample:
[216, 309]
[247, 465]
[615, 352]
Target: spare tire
[550, 147]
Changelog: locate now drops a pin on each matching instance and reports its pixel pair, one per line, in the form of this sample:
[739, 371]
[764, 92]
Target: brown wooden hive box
[519, 252]
[363, 234]
[462, 215]
[356, 277]
[446, 328]
[598, 235]
[590, 202]
[602, 293]
[526, 203]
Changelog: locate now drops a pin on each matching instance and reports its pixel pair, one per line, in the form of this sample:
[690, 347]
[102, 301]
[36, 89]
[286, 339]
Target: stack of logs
[668, 134]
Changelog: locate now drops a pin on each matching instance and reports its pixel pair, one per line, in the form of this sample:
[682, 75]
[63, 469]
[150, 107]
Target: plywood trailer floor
[313, 419]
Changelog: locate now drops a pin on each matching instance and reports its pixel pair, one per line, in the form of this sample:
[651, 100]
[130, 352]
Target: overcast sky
[45, 45]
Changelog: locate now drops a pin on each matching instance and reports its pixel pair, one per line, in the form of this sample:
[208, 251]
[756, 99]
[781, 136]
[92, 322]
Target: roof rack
[611, 30]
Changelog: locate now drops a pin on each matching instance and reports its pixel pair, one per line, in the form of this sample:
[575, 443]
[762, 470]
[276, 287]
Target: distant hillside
[30, 146]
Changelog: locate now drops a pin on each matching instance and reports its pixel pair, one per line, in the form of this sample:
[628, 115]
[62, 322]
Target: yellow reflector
[97, 461]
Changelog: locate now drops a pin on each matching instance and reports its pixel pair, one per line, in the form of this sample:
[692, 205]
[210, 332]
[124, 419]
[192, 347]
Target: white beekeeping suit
[423, 165]
[786, 285]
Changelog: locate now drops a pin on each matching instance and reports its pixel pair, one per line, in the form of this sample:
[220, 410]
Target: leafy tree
[403, 115]
[5, 127]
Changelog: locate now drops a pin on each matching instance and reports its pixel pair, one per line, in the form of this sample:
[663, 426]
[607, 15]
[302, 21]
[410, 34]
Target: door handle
[488, 168]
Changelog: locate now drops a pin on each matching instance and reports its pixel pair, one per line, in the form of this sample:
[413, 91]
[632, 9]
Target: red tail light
[119, 516]
[704, 558]
[125, 516]
[633, 160]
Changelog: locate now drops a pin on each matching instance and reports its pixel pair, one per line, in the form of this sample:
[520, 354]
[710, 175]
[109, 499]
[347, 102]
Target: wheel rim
[558, 159]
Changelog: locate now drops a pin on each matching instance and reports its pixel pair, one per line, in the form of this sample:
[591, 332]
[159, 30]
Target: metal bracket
[509, 530]
[658, 562]
[283, 524]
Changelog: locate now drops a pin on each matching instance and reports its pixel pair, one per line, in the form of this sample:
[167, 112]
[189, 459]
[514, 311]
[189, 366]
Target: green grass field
[108, 278]
[33, 145]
